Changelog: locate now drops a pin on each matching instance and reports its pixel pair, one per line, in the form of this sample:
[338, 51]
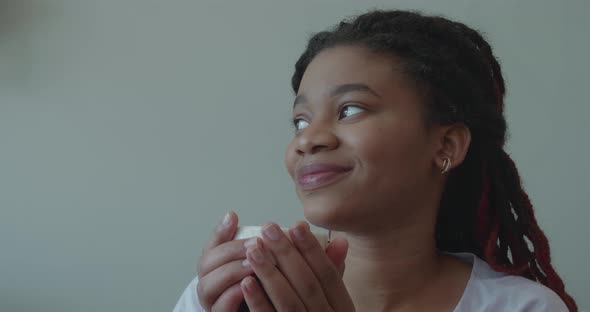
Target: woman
[398, 149]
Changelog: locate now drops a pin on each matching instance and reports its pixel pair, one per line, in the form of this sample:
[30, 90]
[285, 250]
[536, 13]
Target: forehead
[351, 64]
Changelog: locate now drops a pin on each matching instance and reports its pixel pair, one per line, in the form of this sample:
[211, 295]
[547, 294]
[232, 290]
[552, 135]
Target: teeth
[256, 231]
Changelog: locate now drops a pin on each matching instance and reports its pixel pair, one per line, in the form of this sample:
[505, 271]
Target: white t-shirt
[486, 290]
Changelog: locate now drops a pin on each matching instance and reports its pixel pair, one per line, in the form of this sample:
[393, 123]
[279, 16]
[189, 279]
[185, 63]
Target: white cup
[256, 231]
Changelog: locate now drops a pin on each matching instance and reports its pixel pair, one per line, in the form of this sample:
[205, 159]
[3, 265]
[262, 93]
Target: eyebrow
[341, 89]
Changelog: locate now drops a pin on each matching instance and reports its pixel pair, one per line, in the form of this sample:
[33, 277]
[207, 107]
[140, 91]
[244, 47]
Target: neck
[386, 269]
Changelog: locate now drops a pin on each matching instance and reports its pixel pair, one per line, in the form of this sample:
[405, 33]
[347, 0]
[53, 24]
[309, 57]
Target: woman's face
[361, 155]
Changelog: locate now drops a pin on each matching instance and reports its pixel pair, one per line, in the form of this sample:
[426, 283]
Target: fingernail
[251, 242]
[256, 255]
[299, 233]
[246, 263]
[248, 283]
[227, 220]
[272, 232]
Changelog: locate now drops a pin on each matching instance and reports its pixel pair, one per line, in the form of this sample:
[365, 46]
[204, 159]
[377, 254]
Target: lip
[315, 176]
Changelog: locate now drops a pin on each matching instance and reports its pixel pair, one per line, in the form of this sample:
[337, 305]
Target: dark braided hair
[484, 208]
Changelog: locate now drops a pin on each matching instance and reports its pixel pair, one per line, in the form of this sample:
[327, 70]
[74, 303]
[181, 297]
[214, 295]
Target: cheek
[398, 150]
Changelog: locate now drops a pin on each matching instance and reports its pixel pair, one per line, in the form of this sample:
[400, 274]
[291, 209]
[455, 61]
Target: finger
[212, 285]
[295, 268]
[254, 296]
[229, 300]
[324, 270]
[220, 255]
[337, 251]
[224, 231]
[282, 296]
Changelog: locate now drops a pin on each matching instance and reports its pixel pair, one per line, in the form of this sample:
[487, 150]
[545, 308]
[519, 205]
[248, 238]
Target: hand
[221, 268]
[306, 278]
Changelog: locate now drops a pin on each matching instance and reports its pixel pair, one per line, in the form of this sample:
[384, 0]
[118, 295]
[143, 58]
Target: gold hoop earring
[446, 165]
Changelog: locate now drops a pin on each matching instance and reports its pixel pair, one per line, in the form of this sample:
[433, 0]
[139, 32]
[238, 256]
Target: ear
[453, 144]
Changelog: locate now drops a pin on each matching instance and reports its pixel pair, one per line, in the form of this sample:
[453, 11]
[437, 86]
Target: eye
[299, 123]
[349, 110]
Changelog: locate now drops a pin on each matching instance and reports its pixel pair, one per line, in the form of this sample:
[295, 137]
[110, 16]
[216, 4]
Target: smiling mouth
[317, 180]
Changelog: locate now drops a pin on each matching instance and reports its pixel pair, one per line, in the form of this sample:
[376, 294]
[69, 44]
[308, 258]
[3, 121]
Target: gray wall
[127, 128]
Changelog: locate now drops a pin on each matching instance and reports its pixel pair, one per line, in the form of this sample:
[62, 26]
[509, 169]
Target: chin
[329, 212]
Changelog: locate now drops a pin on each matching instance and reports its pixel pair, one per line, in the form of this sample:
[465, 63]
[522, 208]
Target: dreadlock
[484, 208]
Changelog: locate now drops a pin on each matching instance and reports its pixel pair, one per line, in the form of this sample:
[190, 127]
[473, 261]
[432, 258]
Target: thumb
[336, 251]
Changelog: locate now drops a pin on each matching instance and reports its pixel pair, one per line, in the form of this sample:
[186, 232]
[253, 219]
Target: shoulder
[189, 302]
[494, 291]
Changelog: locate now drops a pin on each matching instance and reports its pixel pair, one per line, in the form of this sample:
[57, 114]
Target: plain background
[129, 127]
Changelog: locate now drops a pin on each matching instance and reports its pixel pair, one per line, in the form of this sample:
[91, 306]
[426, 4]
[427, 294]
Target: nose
[317, 136]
